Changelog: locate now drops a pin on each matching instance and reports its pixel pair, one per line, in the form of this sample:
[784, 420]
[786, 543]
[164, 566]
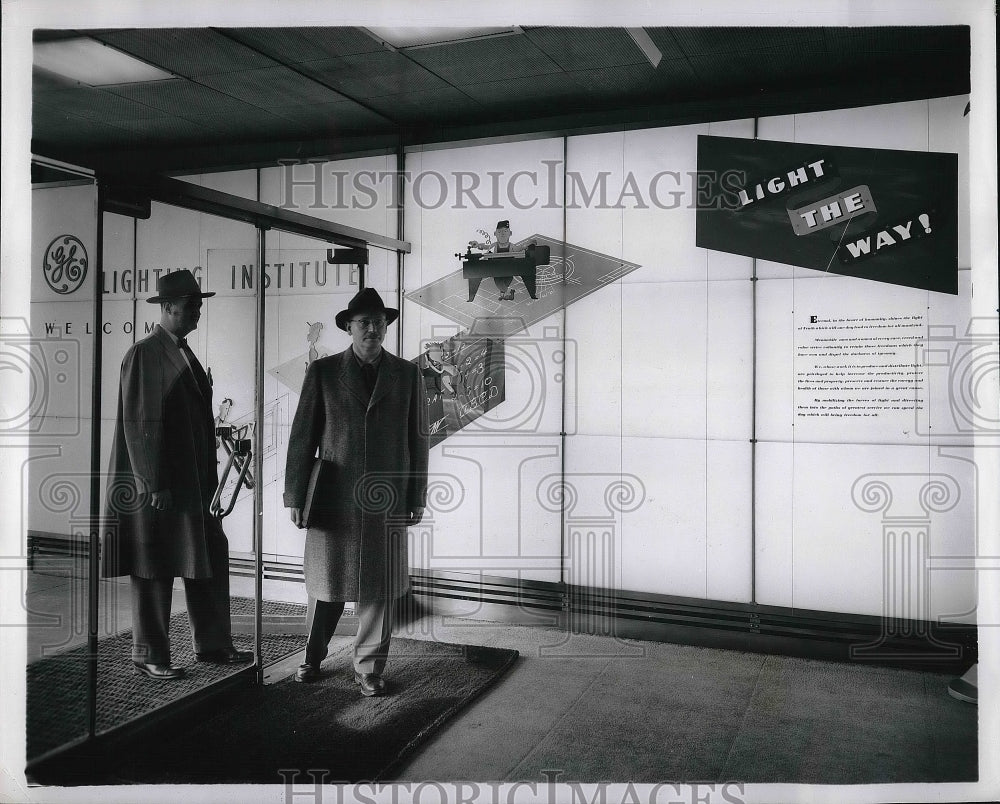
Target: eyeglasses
[365, 323]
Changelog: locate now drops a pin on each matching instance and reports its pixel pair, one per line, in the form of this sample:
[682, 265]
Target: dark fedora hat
[365, 301]
[177, 285]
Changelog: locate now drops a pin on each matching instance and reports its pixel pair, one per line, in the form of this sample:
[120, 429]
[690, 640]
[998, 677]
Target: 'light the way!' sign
[888, 216]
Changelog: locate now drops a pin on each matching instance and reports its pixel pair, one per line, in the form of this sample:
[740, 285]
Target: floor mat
[57, 685]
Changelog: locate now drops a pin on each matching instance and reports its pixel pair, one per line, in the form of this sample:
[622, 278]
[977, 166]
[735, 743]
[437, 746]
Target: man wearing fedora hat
[162, 478]
[356, 476]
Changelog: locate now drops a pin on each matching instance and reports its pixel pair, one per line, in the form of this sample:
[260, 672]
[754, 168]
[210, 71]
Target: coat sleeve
[419, 443]
[142, 395]
[303, 440]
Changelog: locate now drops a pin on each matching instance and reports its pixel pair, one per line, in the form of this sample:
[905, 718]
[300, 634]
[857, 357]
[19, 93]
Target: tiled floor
[598, 708]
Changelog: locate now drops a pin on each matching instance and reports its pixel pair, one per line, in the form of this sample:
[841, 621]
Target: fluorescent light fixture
[90, 62]
[421, 37]
[649, 50]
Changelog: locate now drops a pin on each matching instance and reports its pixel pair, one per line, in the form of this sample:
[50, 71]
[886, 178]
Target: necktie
[369, 376]
[199, 373]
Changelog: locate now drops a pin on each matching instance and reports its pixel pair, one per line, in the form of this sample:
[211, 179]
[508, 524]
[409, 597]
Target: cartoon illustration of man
[502, 246]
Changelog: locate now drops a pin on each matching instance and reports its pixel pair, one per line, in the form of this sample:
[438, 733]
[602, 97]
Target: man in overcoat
[362, 414]
[163, 475]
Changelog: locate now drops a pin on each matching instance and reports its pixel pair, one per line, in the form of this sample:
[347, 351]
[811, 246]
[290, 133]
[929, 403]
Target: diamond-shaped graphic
[292, 373]
[571, 273]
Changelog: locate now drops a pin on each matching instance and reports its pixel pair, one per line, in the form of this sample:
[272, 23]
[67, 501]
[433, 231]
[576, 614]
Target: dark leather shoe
[225, 656]
[371, 683]
[307, 673]
[162, 672]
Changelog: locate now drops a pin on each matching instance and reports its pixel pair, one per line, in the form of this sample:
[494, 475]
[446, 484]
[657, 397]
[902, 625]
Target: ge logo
[65, 264]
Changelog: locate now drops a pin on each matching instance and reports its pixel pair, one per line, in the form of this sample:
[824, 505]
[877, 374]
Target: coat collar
[350, 376]
[173, 353]
[170, 348]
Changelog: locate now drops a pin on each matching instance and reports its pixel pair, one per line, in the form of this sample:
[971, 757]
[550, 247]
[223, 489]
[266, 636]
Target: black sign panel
[888, 216]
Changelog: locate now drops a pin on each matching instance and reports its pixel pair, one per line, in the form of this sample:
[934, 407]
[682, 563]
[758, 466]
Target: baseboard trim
[917, 644]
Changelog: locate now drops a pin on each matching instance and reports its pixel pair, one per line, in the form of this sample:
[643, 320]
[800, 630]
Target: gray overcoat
[164, 439]
[377, 452]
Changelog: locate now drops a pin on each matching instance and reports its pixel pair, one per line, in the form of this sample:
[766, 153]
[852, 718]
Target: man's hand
[296, 514]
[161, 500]
[414, 517]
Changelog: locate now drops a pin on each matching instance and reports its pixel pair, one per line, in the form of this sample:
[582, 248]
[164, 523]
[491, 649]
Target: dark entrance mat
[325, 731]
[57, 686]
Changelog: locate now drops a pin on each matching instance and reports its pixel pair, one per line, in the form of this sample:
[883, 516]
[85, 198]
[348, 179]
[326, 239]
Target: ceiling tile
[442, 104]
[182, 98]
[758, 71]
[166, 131]
[59, 128]
[885, 39]
[586, 48]
[618, 83]
[484, 60]
[295, 45]
[256, 122]
[726, 41]
[271, 86]
[342, 116]
[97, 104]
[370, 75]
[188, 52]
[544, 94]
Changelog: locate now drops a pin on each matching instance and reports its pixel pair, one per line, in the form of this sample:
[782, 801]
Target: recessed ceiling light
[421, 37]
[90, 62]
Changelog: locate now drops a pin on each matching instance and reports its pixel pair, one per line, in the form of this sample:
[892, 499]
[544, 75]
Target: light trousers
[371, 645]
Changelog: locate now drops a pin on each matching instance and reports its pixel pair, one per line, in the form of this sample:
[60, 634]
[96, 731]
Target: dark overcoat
[376, 453]
[164, 439]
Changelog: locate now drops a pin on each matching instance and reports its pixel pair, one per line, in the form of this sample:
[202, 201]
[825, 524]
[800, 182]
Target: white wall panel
[898, 126]
[677, 514]
[593, 541]
[596, 171]
[955, 538]
[858, 516]
[596, 325]
[958, 354]
[663, 359]
[119, 257]
[729, 360]
[729, 502]
[660, 233]
[664, 540]
[170, 239]
[242, 183]
[837, 518]
[56, 480]
[491, 519]
[774, 507]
